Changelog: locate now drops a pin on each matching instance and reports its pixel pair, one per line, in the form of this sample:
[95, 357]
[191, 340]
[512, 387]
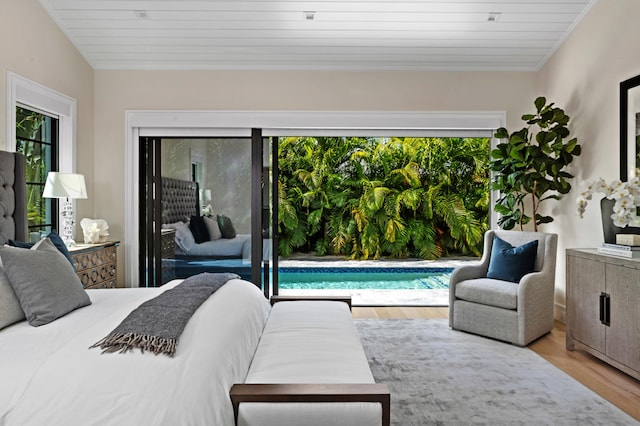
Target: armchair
[515, 312]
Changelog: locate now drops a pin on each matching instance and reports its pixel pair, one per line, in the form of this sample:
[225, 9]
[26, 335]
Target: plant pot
[608, 228]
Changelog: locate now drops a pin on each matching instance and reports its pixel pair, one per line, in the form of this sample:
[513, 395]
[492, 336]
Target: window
[37, 139]
[58, 115]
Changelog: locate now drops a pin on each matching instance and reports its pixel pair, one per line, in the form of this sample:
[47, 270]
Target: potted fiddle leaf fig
[530, 165]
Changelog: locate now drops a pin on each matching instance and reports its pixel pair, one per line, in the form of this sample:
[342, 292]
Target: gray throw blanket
[156, 325]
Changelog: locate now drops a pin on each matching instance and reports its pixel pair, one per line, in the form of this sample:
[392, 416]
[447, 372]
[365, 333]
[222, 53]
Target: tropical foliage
[371, 197]
[30, 131]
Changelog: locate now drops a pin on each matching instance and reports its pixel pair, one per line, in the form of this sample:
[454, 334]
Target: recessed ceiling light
[309, 15]
[142, 14]
[494, 16]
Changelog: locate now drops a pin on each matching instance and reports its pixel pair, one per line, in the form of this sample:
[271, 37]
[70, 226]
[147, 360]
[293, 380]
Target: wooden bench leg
[283, 393]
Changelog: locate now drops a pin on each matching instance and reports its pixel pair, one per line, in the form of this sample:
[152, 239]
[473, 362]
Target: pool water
[363, 278]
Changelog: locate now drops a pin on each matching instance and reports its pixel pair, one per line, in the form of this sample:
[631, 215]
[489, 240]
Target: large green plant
[372, 197]
[530, 166]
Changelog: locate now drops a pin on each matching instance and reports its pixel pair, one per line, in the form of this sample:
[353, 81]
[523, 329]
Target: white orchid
[626, 195]
[207, 210]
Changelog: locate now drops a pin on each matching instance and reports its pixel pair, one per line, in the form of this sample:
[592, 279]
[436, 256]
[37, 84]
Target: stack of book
[620, 250]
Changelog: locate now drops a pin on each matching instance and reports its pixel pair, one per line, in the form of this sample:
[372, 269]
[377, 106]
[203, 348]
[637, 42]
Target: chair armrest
[542, 282]
[345, 299]
[531, 284]
[468, 272]
[299, 392]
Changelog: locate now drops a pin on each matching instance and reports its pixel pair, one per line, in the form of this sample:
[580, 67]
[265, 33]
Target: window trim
[24, 92]
[27, 93]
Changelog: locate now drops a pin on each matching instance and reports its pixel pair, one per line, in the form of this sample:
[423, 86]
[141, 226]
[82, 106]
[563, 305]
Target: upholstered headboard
[13, 197]
[180, 200]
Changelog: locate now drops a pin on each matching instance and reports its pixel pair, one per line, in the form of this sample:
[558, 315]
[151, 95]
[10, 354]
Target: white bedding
[238, 247]
[48, 376]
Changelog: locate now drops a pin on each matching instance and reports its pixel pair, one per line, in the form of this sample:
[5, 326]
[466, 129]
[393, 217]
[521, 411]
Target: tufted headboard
[13, 197]
[180, 200]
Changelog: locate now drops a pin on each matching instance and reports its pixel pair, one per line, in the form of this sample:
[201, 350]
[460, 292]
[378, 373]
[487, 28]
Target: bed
[180, 205]
[50, 376]
[51, 373]
[219, 249]
[57, 380]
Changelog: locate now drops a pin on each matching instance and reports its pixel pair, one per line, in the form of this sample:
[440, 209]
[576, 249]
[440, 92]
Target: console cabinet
[603, 307]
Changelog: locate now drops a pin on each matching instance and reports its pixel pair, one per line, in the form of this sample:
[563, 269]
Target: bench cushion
[309, 342]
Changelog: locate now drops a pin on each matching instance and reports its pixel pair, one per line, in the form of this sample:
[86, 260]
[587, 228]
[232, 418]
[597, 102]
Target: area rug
[438, 376]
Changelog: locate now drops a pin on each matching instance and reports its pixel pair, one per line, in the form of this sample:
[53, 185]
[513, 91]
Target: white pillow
[213, 228]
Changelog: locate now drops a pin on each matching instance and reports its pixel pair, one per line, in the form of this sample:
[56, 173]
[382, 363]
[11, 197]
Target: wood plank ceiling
[514, 35]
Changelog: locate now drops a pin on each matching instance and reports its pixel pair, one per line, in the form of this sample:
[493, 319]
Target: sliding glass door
[205, 207]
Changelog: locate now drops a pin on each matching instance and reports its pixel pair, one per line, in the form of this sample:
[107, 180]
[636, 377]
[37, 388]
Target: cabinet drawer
[93, 276]
[96, 264]
[94, 258]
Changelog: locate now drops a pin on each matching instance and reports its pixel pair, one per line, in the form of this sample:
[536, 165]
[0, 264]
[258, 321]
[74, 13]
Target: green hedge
[372, 197]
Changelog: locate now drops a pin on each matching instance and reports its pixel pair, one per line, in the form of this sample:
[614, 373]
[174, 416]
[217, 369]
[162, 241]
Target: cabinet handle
[605, 308]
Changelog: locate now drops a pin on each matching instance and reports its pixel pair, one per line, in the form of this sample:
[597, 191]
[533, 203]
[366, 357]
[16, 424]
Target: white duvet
[48, 376]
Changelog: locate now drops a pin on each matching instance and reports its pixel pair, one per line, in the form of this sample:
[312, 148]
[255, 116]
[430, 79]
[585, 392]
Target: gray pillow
[213, 227]
[44, 282]
[10, 310]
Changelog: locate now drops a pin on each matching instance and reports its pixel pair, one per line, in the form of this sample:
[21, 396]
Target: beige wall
[584, 77]
[34, 47]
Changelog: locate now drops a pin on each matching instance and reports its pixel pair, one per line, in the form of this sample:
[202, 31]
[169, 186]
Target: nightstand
[168, 253]
[96, 264]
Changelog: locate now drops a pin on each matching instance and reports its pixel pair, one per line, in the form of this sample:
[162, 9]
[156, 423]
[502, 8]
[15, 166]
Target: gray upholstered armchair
[515, 312]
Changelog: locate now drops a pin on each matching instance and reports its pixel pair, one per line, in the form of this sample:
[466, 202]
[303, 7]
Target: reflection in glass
[215, 234]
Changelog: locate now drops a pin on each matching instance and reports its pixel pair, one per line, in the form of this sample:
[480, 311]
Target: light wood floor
[613, 385]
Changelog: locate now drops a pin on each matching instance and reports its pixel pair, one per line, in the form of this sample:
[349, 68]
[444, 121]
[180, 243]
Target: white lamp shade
[64, 185]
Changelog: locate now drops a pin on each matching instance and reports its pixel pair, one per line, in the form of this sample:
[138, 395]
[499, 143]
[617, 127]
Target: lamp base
[67, 223]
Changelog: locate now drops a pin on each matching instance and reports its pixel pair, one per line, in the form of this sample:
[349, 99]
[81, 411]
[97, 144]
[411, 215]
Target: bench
[310, 368]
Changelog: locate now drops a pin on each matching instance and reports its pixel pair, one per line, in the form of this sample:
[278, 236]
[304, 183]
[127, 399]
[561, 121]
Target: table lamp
[68, 186]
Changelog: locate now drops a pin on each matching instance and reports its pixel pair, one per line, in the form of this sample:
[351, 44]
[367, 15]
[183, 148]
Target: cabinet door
[585, 282]
[623, 336]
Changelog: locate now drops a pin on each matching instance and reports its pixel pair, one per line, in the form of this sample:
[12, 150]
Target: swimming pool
[357, 278]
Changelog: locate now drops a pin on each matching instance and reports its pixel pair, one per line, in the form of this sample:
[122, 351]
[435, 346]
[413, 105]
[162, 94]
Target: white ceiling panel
[321, 34]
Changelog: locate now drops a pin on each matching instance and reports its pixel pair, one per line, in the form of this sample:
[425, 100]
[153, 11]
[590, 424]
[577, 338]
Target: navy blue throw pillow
[55, 239]
[510, 263]
[199, 229]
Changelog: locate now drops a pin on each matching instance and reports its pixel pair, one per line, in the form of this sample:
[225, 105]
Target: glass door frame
[262, 228]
